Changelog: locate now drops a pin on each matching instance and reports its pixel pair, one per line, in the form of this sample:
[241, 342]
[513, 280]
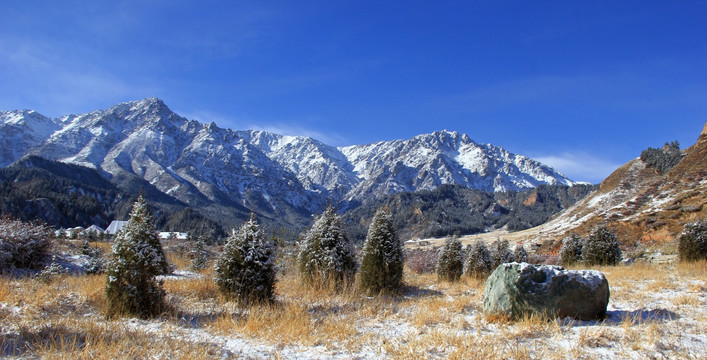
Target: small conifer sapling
[199, 256]
[137, 259]
[601, 247]
[382, 258]
[571, 250]
[692, 244]
[519, 254]
[245, 270]
[326, 256]
[479, 262]
[450, 263]
[501, 253]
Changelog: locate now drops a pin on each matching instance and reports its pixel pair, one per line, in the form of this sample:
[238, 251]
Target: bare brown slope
[638, 203]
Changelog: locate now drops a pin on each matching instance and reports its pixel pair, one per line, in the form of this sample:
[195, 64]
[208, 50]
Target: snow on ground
[655, 311]
[180, 275]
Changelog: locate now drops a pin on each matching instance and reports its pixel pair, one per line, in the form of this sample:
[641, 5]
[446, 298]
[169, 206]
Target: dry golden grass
[181, 261]
[105, 246]
[64, 318]
[85, 339]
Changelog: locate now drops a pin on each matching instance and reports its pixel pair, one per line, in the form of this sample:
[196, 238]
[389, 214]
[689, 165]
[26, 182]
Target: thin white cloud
[580, 166]
[62, 83]
[330, 138]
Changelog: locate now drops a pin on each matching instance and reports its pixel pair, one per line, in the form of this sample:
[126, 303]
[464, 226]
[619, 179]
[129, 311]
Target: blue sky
[581, 85]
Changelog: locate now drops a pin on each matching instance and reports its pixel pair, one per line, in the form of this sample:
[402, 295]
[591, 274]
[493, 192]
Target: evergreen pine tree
[519, 254]
[479, 262]
[137, 259]
[571, 250]
[245, 270]
[501, 253]
[86, 248]
[382, 258]
[326, 256]
[601, 247]
[450, 263]
[199, 256]
[692, 245]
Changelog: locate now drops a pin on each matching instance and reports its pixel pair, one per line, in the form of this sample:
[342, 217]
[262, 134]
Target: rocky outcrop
[519, 289]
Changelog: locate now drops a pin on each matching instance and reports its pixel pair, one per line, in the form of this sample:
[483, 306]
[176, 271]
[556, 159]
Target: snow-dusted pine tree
[479, 262]
[136, 260]
[326, 257]
[571, 250]
[692, 245]
[23, 245]
[450, 264]
[198, 253]
[601, 247]
[500, 253]
[519, 254]
[382, 257]
[245, 270]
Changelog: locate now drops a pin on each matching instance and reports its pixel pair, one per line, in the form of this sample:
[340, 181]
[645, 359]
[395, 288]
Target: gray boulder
[518, 289]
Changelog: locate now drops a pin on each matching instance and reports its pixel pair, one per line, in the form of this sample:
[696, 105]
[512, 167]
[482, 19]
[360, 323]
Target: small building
[75, 232]
[115, 226]
[95, 230]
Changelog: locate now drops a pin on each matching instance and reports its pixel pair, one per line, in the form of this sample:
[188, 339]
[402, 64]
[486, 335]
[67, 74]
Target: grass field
[655, 311]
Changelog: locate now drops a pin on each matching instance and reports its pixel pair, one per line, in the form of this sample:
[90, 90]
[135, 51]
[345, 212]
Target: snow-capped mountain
[21, 131]
[200, 163]
[429, 160]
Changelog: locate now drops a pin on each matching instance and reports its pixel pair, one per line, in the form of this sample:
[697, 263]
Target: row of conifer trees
[245, 270]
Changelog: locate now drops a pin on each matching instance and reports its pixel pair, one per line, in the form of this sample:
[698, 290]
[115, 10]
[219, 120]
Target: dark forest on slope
[65, 195]
[453, 209]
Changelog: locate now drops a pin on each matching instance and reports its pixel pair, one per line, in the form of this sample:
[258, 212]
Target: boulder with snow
[519, 289]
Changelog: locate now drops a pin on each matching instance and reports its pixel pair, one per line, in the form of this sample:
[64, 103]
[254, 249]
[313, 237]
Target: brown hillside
[641, 205]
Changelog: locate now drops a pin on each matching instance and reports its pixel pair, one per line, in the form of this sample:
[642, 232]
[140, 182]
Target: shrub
[382, 258]
[421, 261]
[662, 160]
[692, 245]
[23, 245]
[500, 253]
[450, 262]
[198, 254]
[137, 259]
[51, 271]
[571, 250]
[519, 254]
[479, 262]
[326, 256]
[245, 270]
[96, 263]
[601, 247]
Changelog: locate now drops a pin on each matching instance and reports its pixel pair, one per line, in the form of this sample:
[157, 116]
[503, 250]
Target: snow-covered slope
[640, 203]
[197, 162]
[22, 130]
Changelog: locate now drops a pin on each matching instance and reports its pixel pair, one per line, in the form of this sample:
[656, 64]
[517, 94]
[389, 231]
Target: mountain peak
[150, 104]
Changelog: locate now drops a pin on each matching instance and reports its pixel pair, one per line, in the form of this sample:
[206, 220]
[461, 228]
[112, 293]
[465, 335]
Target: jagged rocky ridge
[281, 176]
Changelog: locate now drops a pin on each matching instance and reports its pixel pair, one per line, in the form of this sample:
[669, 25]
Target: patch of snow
[181, 275]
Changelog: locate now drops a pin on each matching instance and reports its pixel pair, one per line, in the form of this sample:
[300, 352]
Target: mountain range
[283, 178]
